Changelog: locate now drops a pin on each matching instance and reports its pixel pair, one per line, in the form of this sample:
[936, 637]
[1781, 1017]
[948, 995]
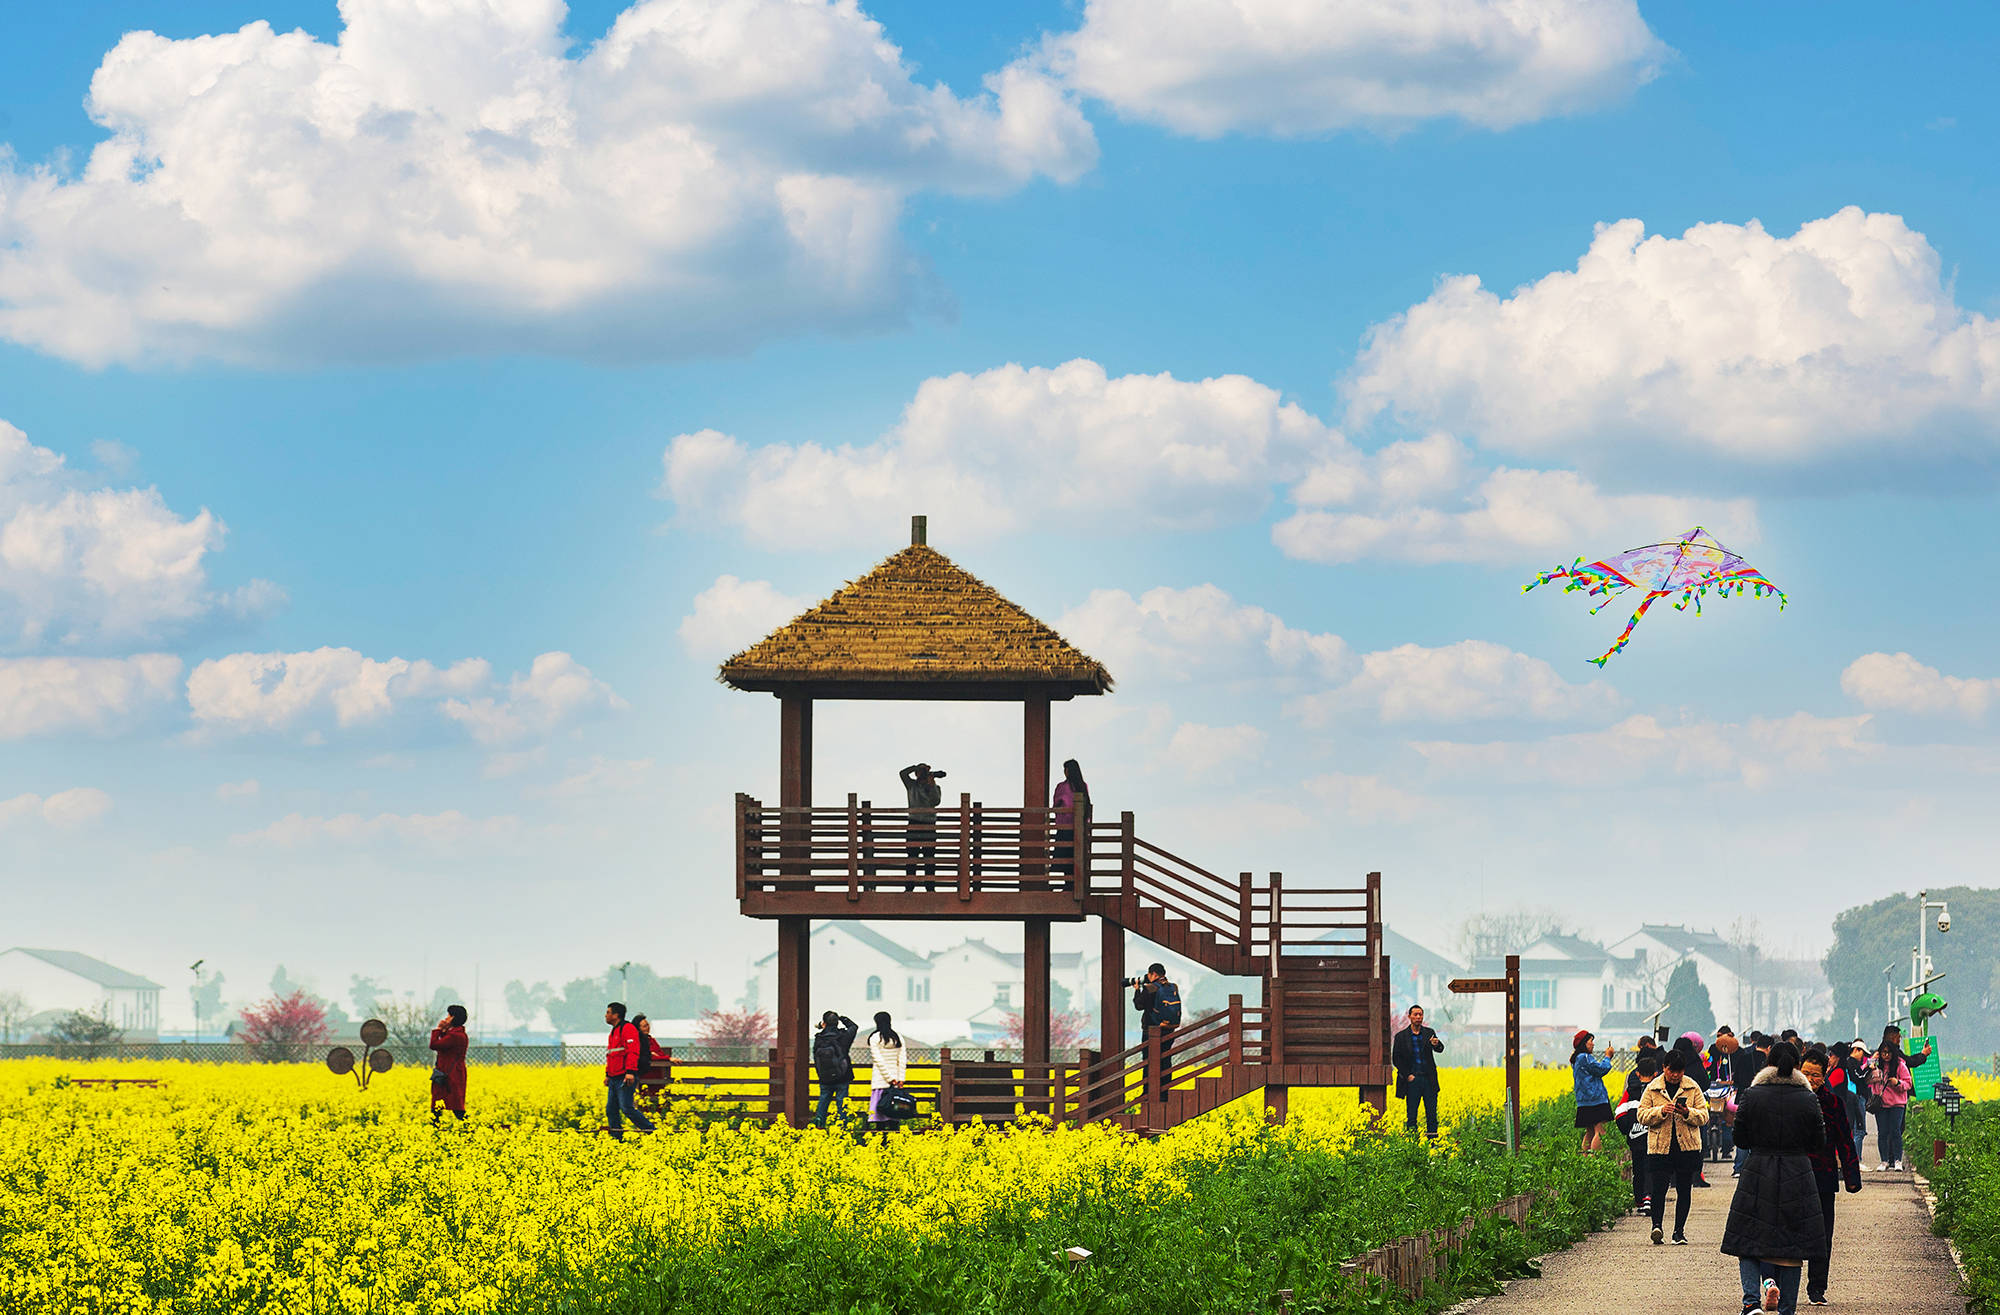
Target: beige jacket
[1670, 1131]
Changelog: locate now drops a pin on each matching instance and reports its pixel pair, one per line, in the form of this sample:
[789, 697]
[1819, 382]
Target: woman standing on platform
[1070, 791]
[886, 1068]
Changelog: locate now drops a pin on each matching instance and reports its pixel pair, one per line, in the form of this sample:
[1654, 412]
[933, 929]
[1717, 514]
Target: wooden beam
[1034, 770]
[794, 983]
[1035, 991]
[795, 751]
[1111, 987]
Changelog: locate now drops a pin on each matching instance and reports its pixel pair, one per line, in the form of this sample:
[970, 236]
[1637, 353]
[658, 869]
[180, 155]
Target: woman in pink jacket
[1892, 1088]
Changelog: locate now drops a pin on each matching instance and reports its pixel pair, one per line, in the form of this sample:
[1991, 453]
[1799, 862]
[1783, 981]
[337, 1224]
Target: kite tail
[1626, 634]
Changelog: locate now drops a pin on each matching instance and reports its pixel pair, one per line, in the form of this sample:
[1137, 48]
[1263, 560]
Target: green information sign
[1924, 1076]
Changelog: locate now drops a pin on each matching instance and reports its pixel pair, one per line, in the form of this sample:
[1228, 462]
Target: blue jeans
[1889, 1132]
[1754, 1272]
[1860, 1131]
[832, 1096]
[622, 1100]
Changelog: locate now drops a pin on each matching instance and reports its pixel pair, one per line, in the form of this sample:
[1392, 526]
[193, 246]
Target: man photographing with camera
[1159, 1004]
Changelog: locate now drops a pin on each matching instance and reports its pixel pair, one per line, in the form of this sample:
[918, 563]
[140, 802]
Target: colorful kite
[1689, 566]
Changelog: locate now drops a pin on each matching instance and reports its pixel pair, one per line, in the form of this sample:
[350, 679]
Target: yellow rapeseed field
[282, 1187]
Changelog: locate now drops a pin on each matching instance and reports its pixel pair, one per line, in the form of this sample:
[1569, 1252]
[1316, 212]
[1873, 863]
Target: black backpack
[830, 1058]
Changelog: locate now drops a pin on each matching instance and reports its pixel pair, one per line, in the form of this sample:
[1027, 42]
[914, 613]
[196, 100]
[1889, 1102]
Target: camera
[1944, 922]
[1135, 981]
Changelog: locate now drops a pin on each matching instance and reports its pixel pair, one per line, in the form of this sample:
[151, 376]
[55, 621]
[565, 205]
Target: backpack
[1169, 999]
[830, 1058]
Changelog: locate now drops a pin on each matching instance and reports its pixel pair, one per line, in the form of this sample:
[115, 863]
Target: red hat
[1581, 1037]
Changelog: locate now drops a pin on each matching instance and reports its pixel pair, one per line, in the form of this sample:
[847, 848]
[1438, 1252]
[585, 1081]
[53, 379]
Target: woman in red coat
[448, 1072]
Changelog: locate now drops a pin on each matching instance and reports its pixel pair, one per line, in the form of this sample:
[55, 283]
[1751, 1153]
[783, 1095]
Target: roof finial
[919, 532]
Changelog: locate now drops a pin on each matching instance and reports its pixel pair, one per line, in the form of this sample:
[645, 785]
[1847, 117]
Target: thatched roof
[913, 627]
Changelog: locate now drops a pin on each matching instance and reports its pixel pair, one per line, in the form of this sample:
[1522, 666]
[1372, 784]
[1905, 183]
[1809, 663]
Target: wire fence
[526, 1054]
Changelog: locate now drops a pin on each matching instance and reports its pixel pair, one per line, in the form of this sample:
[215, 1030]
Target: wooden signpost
[1510, 986]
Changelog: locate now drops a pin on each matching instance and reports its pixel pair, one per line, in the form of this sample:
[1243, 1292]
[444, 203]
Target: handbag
[896, 1103]
[437, 1077]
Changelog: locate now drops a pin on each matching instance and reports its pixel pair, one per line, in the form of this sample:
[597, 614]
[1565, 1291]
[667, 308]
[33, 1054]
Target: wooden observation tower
[918, 627]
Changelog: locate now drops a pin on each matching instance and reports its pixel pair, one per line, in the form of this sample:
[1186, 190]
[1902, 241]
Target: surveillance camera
[1944, 922]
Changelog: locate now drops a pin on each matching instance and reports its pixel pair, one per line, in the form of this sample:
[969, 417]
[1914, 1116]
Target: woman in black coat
[1775, 1224]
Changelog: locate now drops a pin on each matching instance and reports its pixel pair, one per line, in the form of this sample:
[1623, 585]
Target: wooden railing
[1105, 1086]
[861, 847]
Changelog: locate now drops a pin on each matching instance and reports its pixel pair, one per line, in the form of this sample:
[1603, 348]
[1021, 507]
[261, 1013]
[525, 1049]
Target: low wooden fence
[1408, 1264]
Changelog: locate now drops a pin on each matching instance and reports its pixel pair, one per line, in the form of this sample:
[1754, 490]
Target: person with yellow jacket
[1674, 1107]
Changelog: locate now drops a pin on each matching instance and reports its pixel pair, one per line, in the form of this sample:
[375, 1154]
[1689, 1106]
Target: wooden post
[1514, 1053]
[1035, 815]
[853, 846]
[1128, 863]
[1274, 1017]
[794, 980]
[1277, 920]
[964, 843]
[1035, 994]
[1243, 915]
[1235, 1031]
[868, 863]
[1277, 1102]
[1079, 880]
[1110, 987]
[978, 855]
[1155, 1090]
[742, 844]
[947, 1087]
[795, 753]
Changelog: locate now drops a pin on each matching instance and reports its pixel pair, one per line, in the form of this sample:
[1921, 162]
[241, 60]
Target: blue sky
[434, 322]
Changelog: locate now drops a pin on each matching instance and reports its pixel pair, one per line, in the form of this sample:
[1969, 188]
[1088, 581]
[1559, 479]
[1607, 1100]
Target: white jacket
[885, 1061]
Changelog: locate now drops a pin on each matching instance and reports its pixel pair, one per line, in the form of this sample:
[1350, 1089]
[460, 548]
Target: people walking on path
[1674, 1108]
[1775, 1224]
[1744, 1066]
[1593, 1103]
[1071, 791]
[1413, 1054]
[1644, 1070]
[1890, 1099]
[833, 1062]
[624, 1058]
[886, 1068]
[1835, 1163]
[448, 1041]
[920, 788]
[1857, 1092]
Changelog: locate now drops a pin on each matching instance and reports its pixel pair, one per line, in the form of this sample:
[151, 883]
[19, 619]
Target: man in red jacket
[621, 1074]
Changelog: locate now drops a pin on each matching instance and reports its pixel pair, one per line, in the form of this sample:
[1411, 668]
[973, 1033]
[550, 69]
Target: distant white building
[1421, 976]
[1745, 988]
[856, 970]
[56, 982]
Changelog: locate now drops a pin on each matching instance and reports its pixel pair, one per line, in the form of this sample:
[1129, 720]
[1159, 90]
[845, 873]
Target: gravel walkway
[1885, 1260]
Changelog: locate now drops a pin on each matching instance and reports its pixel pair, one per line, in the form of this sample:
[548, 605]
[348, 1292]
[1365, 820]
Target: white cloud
[1471, 680]
[67, 809]
[284, 691]
[1200, 750]
[87, 565]
[446, 831]
[556, 690]
[1423, 501]
[600, 777]
[47, 696]
[1201, 633]
[1725, 340]
[1758, 752]
[1208, 67]
[447, 177]
[732, 614]
[229, 791]
[1897, 682]
[1367, 799]
[1013, 449]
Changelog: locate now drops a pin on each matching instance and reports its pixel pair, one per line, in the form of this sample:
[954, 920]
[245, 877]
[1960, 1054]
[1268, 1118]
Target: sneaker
[1679, 1240]
[1771, 1297]
[1882, 1167]
[1658, 1233]
[1811, 1300]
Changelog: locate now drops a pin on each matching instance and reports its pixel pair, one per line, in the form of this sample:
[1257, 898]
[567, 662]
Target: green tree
[206, 995]
[14, 1011]
[365, 992]
[580, 1007]
[1871, 937]
[80, 1027]
[1688, 1006]
[525, 1002]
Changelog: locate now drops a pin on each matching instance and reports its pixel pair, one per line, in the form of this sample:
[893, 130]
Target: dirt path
[1884, 1260]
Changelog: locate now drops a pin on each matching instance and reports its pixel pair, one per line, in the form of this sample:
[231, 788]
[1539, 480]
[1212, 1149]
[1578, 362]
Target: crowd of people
[1789, 1116]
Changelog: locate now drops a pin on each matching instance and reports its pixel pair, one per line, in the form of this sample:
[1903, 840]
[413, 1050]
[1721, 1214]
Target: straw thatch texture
[916, 619]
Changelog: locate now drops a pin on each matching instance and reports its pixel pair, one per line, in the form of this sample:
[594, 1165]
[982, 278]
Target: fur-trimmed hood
[1768, 1076]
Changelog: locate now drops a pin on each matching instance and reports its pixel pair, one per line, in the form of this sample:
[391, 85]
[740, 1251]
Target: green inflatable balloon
[1925, 1007]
